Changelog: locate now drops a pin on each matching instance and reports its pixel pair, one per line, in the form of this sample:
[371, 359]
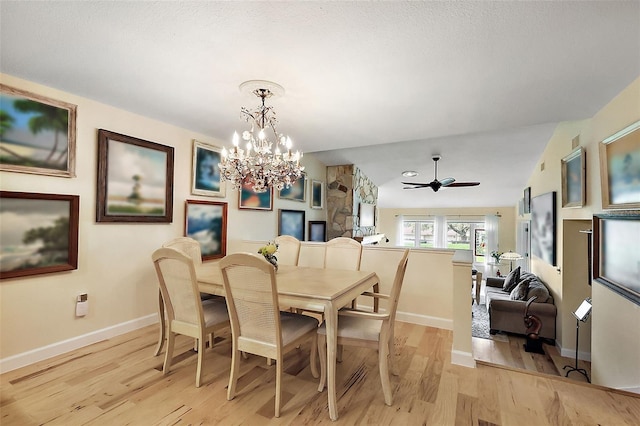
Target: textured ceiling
[383, 85]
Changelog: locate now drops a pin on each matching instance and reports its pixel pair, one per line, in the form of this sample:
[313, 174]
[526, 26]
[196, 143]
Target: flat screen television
[367, 214]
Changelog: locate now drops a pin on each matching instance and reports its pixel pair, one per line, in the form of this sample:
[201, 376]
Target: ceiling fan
[436, 184]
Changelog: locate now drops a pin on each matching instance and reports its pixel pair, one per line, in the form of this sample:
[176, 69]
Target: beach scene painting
[206, 222]
[134, 179]
[37, 134]
[38, 233]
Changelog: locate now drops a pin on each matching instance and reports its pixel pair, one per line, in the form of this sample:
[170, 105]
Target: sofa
[506, 299]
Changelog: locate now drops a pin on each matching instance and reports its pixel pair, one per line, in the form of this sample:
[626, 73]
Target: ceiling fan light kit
[436, 184]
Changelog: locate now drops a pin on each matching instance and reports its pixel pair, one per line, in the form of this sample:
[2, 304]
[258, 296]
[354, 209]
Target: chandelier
[257, 165]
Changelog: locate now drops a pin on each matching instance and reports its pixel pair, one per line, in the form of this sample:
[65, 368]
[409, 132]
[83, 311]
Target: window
[418, 233]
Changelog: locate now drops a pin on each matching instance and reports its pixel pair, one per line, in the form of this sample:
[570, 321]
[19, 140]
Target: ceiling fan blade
[417, 184]
[447, 181]
[460, 184]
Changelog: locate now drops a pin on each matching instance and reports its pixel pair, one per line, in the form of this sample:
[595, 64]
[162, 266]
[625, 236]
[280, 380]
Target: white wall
[114, 265]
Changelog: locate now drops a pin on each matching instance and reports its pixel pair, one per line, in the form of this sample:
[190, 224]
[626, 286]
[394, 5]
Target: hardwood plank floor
[120, 382]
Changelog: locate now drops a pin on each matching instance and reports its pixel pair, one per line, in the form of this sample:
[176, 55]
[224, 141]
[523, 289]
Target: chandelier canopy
[257, 165]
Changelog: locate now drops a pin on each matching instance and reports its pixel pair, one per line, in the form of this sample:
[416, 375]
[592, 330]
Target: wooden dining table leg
[331, 318]
[162, 324]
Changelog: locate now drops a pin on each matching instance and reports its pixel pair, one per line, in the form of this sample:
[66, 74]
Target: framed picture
[574, 178]
[38, 134]
[543, 227]
[206, 222]
[620, 169]
[205, 175]
[615, 252]
[317, 230]
[251, 200]
[367, 215]
[38, 233]
[291, 222]
[527, 200]
[317, 194]
[297, 191]
[135, 179]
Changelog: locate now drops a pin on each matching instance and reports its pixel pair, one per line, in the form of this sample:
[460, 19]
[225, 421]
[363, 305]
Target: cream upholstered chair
[342, 253]
[187, 314]
[369, 330]
[257, 325]
[288, 250]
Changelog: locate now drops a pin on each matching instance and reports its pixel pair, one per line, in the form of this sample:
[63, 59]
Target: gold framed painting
[574, 178]
[620, 169]
[37, 135]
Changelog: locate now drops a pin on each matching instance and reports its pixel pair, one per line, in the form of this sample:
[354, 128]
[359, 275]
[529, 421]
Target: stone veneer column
[347, 187]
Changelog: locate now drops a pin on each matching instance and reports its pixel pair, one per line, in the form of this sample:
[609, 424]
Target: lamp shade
[511, 256]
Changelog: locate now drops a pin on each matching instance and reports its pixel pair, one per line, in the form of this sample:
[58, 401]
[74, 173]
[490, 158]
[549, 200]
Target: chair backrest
[187, 245]
[252, 300]
[288, 250]
[478, 286]
[342, 253]
[394, 296]
[179, 286]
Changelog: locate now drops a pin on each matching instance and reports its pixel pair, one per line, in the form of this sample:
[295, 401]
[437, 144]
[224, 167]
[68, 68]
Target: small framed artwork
[250, 200]
[615, 254]
[620, 169]
[297, 191]
[317, 194]
[206, 222]
[38, 134]
[543, 227]
[527, 200]
[367, 214]
[317, 230]
[291, 222]
[205, 176]
[135, 179]
[38, 233]
[574, 178]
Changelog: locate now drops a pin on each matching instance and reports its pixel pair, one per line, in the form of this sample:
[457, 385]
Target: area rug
[480, 325]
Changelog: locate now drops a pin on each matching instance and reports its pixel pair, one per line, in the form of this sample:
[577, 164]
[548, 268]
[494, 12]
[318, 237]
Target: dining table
[316, 289]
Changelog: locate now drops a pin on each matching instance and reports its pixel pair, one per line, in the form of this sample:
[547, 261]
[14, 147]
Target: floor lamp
[511, 256]
[581, 314]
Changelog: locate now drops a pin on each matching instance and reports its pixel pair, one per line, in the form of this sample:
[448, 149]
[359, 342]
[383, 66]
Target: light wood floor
[119, 382]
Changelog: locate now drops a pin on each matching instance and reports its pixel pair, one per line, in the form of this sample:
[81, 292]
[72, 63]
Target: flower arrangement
[268, 251]
[496, 255]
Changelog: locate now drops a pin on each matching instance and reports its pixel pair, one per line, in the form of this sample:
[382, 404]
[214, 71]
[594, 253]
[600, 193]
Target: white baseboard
[464, 359]
[436, 322]
[635, 389]
[40, 354]
[571, 353]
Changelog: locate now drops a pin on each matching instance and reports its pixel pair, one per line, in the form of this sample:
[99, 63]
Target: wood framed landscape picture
[135, 180]
[620, 169]
[291, 222]
[206, 222]
[37, 133]
[38, 233]
[250, 200]
[574, 178]
[317, 194]
[205, 177]
[297, 190]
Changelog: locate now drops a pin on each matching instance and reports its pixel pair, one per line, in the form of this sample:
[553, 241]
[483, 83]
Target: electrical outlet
[82, 305]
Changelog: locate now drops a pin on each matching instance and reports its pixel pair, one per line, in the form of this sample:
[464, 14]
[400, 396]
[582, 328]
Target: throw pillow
[540, 291]
[512, 280]
[519, 292]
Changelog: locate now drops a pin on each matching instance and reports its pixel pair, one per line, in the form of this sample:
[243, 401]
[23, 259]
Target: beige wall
[114, 259]
[614, 354]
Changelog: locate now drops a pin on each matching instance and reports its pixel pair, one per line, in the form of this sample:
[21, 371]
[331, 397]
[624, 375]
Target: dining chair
[257, 325]
[187, 314]
[370, 330]
[342, 253]
[288, 250]
[477, 287]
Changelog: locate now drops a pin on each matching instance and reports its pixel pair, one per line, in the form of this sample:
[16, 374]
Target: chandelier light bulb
[236, 140]
[261, 134]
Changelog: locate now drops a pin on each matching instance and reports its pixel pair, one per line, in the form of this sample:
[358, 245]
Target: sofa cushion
[536, 288]
[519, 292]
[512, 280]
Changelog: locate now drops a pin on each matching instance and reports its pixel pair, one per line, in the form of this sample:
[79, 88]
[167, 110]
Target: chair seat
[294, 326]
[356, 328]
[214, 312]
